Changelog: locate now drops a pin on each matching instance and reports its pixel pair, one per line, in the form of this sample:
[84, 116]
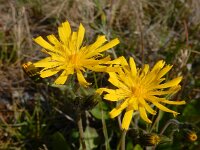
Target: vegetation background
[37, 116]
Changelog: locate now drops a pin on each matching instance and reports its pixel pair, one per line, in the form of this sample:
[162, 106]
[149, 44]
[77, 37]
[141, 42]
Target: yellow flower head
[138, 88]
[69, 55]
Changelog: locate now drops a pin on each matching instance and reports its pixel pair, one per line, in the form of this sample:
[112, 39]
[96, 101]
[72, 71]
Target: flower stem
[81, 133]
[105, 133]
[123, 140]
[171, 121]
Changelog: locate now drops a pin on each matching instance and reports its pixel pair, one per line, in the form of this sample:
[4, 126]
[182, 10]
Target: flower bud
[190, 135]
[149, 139]
[31, 71]
[86, 99]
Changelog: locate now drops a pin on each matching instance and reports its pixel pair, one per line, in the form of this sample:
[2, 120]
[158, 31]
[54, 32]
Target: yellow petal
[115, 95]
[58, 58]
[108, 45]
[115, 81]
[81, 79]
[112, 69]
[98, 68]
[163, 108]
[48, 73]
[134, 103]
[143, 114]
[101, 90]
[99, 41]
[40, 63]
[146, 69]
[90, 51]
[133, 67]
[175, 89]
[81, 33]
[170, 91]
[53, 39]
[49, 52]
[171, 83]
[62, 78]
[74, 37]
[143, 73]
[164, 71]
[72, 44]
[158, 65]
[174, 102]
[116, 111]
[150, 79]
[146, 106]
[153, 98]
[92, 62]
[47, 65]
[119, 61]
[127, 81]
[127, 119]
[39, 40]
[64, 32]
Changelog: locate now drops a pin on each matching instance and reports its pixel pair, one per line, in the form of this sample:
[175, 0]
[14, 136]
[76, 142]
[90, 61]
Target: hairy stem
[123, 140]
[171, 121]
[81, 133]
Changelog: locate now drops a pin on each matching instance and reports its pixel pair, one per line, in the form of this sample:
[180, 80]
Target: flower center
[193, 137]
[138, 91]
[74, 60]
[155, 139]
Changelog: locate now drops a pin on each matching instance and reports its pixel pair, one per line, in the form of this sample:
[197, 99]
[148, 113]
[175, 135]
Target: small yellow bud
[31, 71]
[190, 135]
[150, 139]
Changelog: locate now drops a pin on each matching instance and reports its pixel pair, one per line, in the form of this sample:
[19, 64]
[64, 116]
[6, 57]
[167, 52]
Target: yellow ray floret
[68, 55]
[139, 89]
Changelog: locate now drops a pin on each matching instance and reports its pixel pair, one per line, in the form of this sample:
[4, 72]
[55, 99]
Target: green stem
[105, 130]
[123, 140]
[171, 121]
[95, 80]
[81, 133]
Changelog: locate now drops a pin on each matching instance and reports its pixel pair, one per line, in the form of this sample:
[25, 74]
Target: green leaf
[59, 142]
[97, 111]
[90, 134]
[129, 145]
[137, 147]
[191, 111]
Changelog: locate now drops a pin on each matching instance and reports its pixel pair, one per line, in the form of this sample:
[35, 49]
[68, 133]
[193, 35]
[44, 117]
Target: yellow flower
[138, 88]
[69, 55]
